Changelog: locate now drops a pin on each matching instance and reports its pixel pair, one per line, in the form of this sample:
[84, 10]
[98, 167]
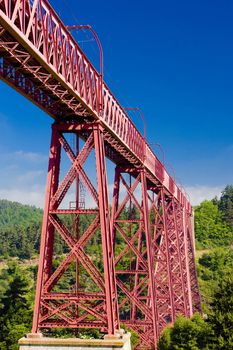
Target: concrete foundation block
[37, 342]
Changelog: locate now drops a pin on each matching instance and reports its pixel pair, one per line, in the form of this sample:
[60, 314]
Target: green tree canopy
[186, 334]
[210, 228]
[213, 266]
[226, 204]
[221, 319]
[16, 306]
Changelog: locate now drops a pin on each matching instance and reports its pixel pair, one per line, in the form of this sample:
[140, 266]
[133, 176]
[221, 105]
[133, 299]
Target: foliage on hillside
[213, 225]
[226, 205]
[195, 331]
[198, 334]
[19, 237]
[15, 305]
[13, 213]
[213, 230]
[20, 227]
[221, 316]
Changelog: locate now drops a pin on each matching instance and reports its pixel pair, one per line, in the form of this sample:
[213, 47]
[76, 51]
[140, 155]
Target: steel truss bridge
[146, 274]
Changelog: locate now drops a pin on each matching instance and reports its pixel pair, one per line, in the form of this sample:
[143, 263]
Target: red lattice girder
[194, 286]
[41, 60]
[130, 223]
[148, 247]
[79, 308]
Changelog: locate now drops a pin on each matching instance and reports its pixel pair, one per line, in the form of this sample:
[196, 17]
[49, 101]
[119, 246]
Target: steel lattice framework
[146, 273]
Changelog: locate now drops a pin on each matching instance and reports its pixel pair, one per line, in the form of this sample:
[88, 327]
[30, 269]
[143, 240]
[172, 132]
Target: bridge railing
[39, 27]
[118, 121]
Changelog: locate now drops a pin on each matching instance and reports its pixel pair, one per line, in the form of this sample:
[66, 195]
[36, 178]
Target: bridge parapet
[145, 274]
[70, 76]
[37, 342]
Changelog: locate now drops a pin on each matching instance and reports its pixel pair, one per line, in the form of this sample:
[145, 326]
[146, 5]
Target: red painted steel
[101, 59]
[134, 264]
[146, 274]
[59, 308]
[33, 36]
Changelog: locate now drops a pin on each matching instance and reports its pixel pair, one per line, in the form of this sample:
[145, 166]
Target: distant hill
[20, 227]
[214, 221]
[14, 213]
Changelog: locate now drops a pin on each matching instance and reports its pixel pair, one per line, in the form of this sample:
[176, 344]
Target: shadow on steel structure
[145, 273]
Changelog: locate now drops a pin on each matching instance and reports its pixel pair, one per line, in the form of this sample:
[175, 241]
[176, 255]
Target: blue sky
[174, 60]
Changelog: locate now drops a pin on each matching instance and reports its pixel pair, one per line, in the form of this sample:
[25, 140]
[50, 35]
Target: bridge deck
[40, 59]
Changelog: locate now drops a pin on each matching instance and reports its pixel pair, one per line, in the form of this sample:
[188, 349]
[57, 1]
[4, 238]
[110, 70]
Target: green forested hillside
[19, 240]
[214, 244]
[213, 224]
[20, 227]
[13, 214]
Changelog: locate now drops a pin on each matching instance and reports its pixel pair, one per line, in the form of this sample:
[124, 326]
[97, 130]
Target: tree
[19, 229]
[218, 262]
[210, 228]
[221, 319]
[186, 334]
[212, 266]
[16, 306]
[226, 204]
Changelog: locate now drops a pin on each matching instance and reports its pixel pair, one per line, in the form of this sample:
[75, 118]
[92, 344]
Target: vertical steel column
[196, 298]
[115, 202]
[150, 257]
[137, 276]
[47, 234]
[168, 255]
[187, 263]
[56, 304]
[179, 245]
[163, 292]
[107, 243]
[175, 261]
[77, 226]
[137, 306]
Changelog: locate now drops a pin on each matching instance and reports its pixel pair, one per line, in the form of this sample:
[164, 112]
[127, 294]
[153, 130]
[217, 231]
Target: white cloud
[199, 193]
[196, 193]
[30, 156]
[32, 193]
[30, 197]
[35, 195]
[30, 176]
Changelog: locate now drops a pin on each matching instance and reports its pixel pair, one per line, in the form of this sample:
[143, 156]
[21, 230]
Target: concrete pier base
[38, 342]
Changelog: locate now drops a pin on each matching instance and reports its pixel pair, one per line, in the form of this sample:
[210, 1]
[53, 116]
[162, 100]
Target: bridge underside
[128, 262]
[131, 266]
